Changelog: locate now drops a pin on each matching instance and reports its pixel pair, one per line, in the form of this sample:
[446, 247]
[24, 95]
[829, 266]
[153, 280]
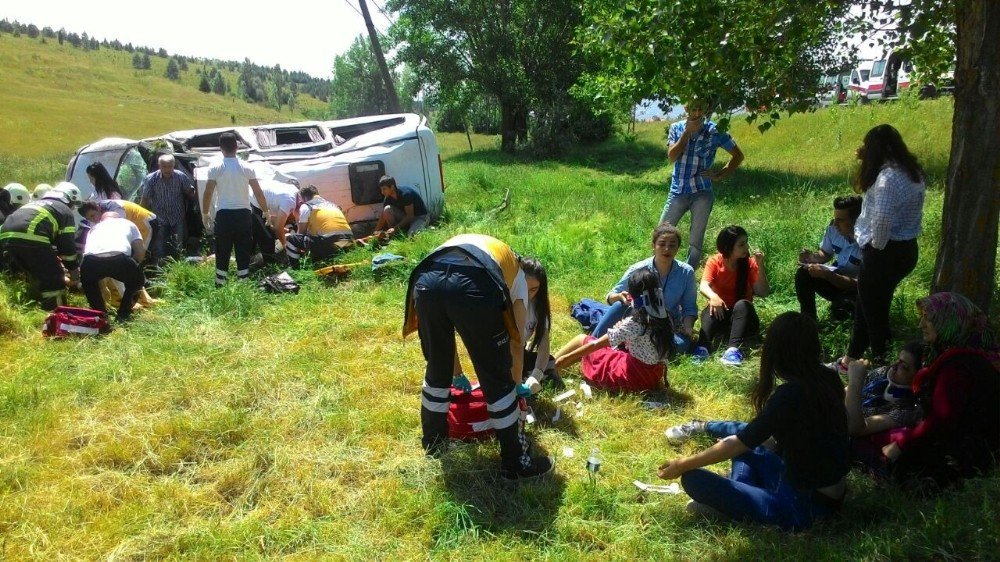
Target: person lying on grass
[882, 399]
[648, 335]
[805, 481]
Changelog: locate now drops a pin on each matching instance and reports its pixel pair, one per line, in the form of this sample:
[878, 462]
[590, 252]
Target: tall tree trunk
[966, 260]
[390, 87]
[508, 126]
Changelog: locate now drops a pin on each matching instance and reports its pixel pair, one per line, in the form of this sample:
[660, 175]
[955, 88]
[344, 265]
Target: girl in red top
[730, 280]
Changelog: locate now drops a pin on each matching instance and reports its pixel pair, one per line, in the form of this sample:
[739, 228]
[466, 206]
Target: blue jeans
[756, 489]
[168, 240]
[617, 313]
[700, 205]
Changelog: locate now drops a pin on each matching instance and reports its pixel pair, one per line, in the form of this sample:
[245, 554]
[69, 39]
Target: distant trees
[173, 71]
[204, 85]
[271, 86]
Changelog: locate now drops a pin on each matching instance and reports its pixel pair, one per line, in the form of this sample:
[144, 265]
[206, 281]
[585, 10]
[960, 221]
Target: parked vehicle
[343, 158]
[891, 75]
[833, 88]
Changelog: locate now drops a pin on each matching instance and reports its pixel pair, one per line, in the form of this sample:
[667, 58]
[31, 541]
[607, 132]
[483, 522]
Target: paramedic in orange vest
[474, 284]
[323, 229]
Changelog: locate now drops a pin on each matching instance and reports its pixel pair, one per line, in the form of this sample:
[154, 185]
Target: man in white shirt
[114, 249]
[281, 199]
[233, 220]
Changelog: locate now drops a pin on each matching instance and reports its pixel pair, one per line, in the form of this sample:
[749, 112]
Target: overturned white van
[343, 158]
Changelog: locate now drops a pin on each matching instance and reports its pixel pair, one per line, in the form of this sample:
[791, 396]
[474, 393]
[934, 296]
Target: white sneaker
[683, 432]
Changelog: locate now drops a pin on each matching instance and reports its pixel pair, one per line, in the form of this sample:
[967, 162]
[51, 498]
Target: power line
[358, 11]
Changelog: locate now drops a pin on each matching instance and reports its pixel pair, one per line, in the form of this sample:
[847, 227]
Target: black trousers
[118, 267]
[737, 322]
[263, 237]
[233, 230]
[465, 299]
[44, 270]
[318, 247]
[881, 272]
[807, 287]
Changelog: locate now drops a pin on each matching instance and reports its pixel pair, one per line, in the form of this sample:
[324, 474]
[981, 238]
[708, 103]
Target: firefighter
[13, 196]
[38, 238]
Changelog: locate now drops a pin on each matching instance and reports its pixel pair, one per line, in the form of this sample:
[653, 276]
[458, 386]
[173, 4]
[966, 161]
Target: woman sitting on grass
[730, 281]
[676, 279]
[959, 392]
[802, 483]
[648, 336]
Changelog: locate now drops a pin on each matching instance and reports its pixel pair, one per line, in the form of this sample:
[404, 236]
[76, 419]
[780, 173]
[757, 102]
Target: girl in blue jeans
[802, 479]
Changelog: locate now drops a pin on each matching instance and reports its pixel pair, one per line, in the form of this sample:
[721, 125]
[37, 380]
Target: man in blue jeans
[692, 145]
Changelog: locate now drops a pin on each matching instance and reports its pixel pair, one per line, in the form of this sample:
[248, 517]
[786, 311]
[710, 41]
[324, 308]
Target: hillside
[231, 424]
[56, 98]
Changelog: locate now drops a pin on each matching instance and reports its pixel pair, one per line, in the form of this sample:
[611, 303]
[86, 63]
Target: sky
[297, 34]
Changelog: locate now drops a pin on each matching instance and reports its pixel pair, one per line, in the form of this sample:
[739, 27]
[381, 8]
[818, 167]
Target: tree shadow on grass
[483, 501]
[612, 157]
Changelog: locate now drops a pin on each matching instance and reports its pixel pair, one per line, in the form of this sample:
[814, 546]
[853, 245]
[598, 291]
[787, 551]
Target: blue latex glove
[523, 390]
[462, 383]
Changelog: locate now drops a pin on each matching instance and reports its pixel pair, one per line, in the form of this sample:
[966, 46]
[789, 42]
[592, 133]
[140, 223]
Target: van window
[131, 172]
[272, 137]
[351, 131]
[878, 68]
[364, 178]
[211, 141]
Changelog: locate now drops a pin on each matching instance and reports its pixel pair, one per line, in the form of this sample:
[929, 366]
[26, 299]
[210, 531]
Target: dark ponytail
[660, 330]
[725, 243]
[540, 304]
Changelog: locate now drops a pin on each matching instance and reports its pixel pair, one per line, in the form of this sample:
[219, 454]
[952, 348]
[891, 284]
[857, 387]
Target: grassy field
[56, 98]
[233, 424]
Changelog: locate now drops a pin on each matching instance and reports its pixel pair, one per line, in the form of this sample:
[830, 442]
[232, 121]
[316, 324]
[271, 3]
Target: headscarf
[958, 323]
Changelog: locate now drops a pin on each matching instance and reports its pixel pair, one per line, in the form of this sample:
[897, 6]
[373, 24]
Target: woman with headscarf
[959, 392]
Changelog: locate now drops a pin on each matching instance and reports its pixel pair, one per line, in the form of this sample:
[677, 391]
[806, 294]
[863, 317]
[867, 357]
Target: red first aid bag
[69, 320]
[468, 417]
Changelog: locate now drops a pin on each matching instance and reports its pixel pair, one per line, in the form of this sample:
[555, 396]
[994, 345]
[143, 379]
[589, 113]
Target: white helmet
[70, 192]
[19, 194]
[40, 190]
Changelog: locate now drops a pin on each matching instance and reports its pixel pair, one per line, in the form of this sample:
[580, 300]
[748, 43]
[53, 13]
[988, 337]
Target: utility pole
[390, 88]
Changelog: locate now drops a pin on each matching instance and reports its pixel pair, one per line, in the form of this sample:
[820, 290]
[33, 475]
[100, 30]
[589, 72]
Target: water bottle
[594, 464]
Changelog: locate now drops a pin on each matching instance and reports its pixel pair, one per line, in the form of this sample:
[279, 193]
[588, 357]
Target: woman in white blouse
[892, 183]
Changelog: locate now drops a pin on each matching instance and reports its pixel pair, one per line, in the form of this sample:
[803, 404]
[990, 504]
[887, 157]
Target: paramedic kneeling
[474, 284]
[323, 229]
[114, 249]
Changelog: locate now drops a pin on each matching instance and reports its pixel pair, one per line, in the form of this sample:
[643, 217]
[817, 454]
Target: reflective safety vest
[325, 219]
[495, 257]
[47, 222]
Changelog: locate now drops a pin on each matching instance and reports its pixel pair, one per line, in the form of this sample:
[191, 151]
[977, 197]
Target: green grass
[56, 98]
[235, 424]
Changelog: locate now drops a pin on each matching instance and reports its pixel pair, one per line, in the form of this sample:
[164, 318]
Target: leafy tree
[204, 85]
[357, 88]
[33, 31]
[768, 56]
[517, 52]
[146, 63]
[219, 85]
[137, 61]
[172, 72]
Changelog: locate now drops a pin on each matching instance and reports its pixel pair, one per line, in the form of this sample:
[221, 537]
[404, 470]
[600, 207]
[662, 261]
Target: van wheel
[928, 92]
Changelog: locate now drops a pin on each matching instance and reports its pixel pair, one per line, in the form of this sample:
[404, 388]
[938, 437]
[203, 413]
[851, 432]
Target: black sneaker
[540, 466]
[552, 376]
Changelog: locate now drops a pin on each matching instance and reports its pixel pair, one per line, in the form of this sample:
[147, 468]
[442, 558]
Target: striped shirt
[892, 209]
[698, 156]
[847, 252]
[166, 196]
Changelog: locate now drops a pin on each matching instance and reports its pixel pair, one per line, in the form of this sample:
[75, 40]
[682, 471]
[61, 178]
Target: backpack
[588, 313]
[69, 320]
